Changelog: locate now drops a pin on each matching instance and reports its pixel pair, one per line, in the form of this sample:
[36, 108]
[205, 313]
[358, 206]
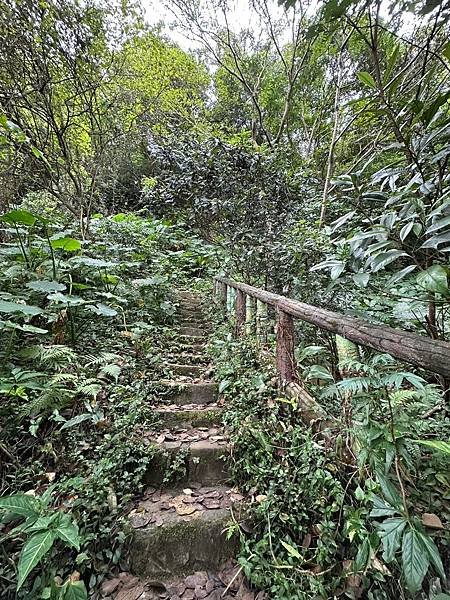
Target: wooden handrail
[433, 355]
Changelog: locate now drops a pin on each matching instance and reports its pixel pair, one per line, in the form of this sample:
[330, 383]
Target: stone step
[186, 370]
[210, 585]
[203, 455]
[188, 416]
[180, 531]
[195, 332]
[188, 358]
[191, 393]
[193, 342]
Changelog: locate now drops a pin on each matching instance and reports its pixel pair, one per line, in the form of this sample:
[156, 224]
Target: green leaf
[433, 553]
[19, 217]
[400, 274]
[362, 556]
[77, 420]
[361, 279]
[391, 532]
[16, 307]
[291, 550]
[66, 243]
[385, 258]
[366, 78]
[415, 561]
[446, 51]
[434, 279]
[45, 286]
[436, 445]
[32, 552]
[389, 491]
[67, 531]
[381, 508]
[75, 590]
[20, 505]
[436, 240]
[439, 224]
[319, 372]
[103, 310]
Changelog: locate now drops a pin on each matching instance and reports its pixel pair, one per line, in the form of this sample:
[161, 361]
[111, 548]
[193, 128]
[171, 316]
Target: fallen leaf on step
[211, 503]
[432, 521]
[130, 593]
[187, 491]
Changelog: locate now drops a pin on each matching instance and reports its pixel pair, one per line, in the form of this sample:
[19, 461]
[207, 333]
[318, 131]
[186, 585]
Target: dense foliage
[306, 151]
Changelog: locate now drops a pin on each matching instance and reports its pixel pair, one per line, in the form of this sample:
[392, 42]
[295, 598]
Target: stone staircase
[180, 550]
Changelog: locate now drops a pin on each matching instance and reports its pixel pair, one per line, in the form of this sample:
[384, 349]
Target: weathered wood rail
[421, 351]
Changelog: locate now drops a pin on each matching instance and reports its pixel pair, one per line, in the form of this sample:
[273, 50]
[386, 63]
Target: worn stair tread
[193, 332]
[187, 392]
[180, 530]
[227, 579]
[160, 506]
[190, 415]
[187, 358]
[192, 438]
[203, 452]
[188, 370]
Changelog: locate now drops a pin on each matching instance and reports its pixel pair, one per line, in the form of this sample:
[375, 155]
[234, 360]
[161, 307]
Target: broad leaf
[381, 508]
[66, 243]
[436, 240]
[415, 561]
[46, 286]
[67, 531]
[319, 372]
[433, 553]
[19, 217]
[436, 445]
[16, 307]
[20, 505]
[32, 552]
[391, 533]
[434, 279]
[77, 420]
[75, 590]
[385, 258]
[102, 310]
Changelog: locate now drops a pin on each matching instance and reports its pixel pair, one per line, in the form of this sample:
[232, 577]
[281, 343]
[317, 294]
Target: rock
[432, 521]
[109, 586]
[198, 579]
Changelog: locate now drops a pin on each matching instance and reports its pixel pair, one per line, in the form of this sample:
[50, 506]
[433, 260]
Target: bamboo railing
[421, 351]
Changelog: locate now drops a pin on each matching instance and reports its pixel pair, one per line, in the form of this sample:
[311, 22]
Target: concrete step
[204, 451]
[195, 332]
[227, 582]
[193, 415]
[180, 531]
[191, 342]
[186, 370]
[188, 358]
[191, 393]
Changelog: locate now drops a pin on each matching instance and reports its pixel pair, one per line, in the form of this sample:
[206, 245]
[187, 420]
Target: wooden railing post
[240, 312]
[223, 294]
[250, 316]
[285, 348]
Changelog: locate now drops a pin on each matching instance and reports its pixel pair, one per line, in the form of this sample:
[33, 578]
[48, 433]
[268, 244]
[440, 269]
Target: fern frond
[63, 378]
[402, 396]
[89, 387]
[111, 370]
[50, 399]
[102, 359]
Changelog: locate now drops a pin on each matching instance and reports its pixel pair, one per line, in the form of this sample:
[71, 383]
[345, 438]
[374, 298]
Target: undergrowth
[329, 514]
